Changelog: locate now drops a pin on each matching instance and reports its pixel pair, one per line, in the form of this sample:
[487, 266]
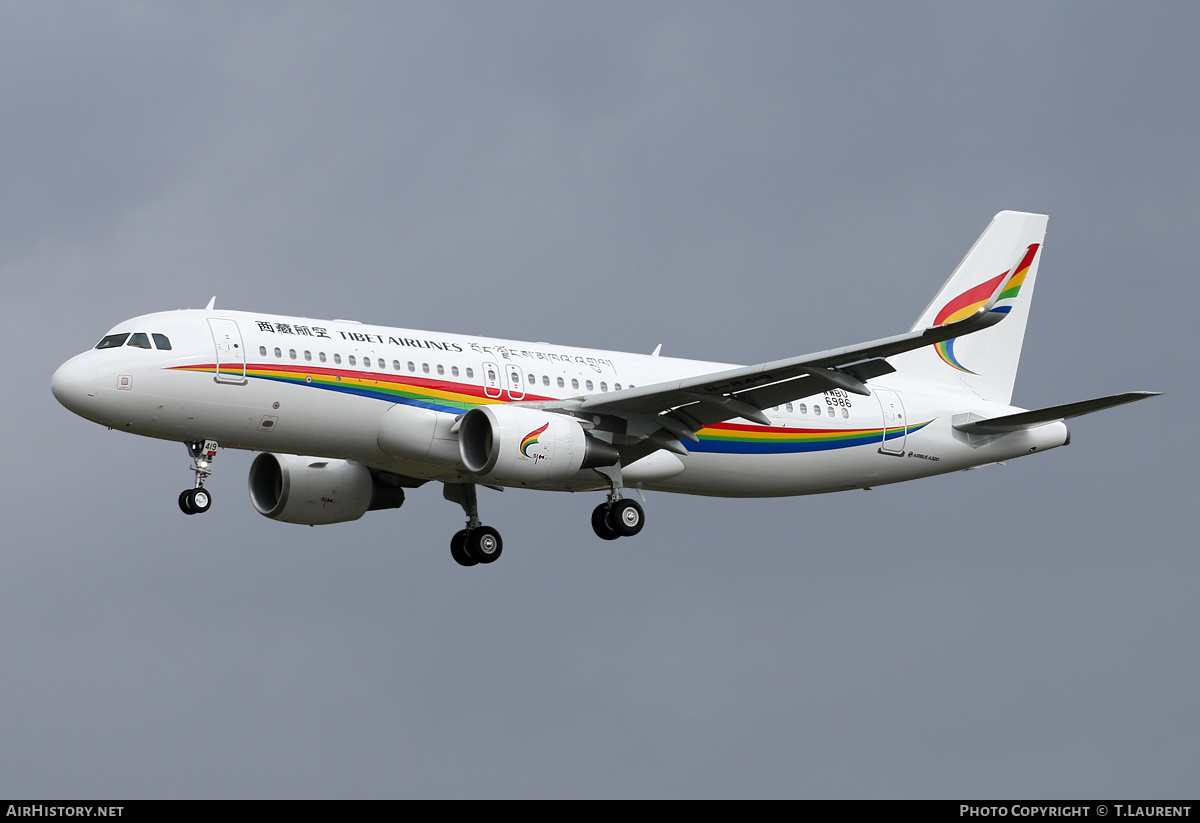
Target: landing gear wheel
[626, 517]
[484, 544]
[200, 500]
[600, 523]
[458, 549]
[185, 502]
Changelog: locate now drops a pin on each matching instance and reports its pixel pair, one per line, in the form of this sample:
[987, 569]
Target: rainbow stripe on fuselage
[426, 393]
[739, 438]
[457, 398]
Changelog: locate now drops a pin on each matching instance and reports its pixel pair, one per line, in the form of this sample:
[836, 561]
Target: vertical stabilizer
[984, 362]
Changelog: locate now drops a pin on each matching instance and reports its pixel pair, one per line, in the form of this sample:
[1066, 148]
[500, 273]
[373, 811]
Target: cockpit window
[139, 340]
[161, 341]
[112, 341]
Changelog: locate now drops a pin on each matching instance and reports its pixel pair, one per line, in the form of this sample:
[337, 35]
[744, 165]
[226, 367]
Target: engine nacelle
[516, 444]
[315, 491]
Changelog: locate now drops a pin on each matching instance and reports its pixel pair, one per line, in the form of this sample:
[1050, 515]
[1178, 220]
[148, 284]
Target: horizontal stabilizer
[1029, 419]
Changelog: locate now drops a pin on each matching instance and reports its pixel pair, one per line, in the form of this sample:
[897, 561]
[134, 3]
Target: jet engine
[515, 444]
[315, 491]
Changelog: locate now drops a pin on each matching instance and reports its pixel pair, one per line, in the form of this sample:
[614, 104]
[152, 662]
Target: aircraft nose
[74, 383]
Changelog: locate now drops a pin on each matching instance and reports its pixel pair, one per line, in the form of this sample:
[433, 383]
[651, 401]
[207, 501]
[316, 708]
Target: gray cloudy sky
[739, 182]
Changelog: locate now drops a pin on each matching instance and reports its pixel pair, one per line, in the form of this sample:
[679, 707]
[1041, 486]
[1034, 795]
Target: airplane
[347, 416]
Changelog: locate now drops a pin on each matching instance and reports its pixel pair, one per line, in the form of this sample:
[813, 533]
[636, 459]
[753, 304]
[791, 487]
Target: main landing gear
[198, 500]
[476, 543]
[617, 517]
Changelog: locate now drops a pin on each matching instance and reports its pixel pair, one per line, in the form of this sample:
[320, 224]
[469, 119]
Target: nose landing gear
[198, 500]
[195, 501]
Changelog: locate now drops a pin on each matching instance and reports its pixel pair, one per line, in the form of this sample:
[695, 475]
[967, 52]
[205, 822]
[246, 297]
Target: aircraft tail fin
[1005, 256]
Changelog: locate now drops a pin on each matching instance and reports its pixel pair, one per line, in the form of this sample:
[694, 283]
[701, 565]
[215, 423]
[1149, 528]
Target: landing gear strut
[198, 500]
[617, 517]
[476, 543]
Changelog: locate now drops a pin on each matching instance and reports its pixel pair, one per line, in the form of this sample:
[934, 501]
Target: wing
[660, 416]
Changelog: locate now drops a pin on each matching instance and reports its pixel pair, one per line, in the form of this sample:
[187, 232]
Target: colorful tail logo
[974, 298]
[531, 438]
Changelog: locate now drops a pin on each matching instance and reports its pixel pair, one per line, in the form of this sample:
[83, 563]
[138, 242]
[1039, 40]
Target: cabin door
[895, 428]
[231, 354]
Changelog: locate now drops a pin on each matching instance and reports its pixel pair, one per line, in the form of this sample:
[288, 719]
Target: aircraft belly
[781, 475]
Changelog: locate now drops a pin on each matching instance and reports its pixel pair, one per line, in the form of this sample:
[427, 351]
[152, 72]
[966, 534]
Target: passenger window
[561, 384]
[545, 380]
[351, 360]
[788, 406]
[307, 356]
[454, 371]
[262, 351]
[817, 411]
[382, 365]
[291, 354]
[831, 411]
[412, 366]
[161, 342]
[337, 358]
[845, 413]
[470, 373]
[588, 385]
[425, 368]
[441, 369]
[603, 386]
[396, 365]
[278, 353]
[617, 386]
[574, 383]
[112, 341]
[321, 356]
[803, 408]
[139, 340]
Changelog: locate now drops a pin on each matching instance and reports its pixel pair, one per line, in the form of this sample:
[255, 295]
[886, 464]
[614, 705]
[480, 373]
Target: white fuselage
[298, 386]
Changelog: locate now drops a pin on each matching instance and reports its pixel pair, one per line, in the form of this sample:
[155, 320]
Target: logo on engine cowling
[531, 439]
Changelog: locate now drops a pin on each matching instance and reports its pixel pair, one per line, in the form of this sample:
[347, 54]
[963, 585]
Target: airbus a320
[348, 416]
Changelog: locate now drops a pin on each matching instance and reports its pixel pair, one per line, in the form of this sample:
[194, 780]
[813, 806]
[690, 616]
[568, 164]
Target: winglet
[211, 303]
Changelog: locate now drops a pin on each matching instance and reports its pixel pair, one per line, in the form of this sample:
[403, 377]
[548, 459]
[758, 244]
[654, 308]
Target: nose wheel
[198, 500]
[195, 501]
